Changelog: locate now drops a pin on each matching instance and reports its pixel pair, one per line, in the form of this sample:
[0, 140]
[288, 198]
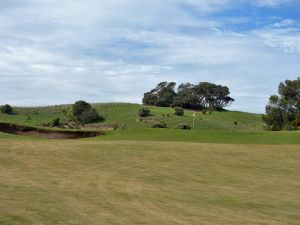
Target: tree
[84, 113]
[162, 95]
[283, 110]
[186, 97]
[6, 109]
[212, 96]
[201, 96]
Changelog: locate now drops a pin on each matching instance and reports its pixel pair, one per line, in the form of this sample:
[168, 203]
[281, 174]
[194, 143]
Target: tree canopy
[203, 95]
[283, 110]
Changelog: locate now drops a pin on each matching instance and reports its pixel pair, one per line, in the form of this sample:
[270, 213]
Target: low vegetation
[144, 112]
[179, 111]
[159, 124]
[183, 126]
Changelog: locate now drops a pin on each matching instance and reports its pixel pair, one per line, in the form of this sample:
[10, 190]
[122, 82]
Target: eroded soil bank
[58, 134]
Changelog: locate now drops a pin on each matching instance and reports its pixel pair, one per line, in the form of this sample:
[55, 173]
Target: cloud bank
[60, 51]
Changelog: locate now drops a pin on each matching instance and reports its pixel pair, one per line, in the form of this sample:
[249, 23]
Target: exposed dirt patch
[101, 126]
[58, 134]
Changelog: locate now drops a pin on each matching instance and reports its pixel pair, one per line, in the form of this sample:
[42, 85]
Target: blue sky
[55, 52]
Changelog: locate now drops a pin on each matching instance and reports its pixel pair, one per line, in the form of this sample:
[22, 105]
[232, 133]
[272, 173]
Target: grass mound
[124, 116]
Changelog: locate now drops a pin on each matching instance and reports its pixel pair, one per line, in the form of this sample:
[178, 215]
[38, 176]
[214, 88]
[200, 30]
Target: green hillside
[125, 116]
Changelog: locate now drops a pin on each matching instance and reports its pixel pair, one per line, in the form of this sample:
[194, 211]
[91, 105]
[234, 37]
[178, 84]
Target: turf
[175, 135]
[132, 182]
[125, 116]
[233, 137]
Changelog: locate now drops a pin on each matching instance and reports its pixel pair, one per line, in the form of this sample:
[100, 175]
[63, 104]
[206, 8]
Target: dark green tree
[187, 97]
[80, 107]
[6, 109]
[283, 110]
[84, 113]
[213, 96]
[162, 95]
[201, 96]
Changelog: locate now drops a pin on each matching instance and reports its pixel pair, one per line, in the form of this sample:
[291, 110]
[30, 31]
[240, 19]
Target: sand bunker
[59, 134]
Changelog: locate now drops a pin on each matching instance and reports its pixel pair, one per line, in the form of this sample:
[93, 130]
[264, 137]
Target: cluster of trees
[283, 110]
[203, 95]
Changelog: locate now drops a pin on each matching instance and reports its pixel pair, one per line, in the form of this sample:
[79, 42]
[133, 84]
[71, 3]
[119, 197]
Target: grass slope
[132, 182]
[125, 115]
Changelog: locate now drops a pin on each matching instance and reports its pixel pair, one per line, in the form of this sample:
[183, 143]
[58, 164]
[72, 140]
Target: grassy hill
[217, 173]
[125, 116]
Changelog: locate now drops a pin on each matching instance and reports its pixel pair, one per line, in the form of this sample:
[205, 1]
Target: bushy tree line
[283, 110]
[203, 95]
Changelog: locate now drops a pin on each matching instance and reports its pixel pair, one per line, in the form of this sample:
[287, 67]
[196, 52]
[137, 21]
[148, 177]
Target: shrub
[159, 124]
[6, 109]
[55, 122]
[179, 111]
[90, 116]
[183, 126]
[144, 112]
[84, 113]
[79, 108]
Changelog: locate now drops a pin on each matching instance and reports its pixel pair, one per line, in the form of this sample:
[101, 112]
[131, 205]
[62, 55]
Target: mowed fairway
[90, 182]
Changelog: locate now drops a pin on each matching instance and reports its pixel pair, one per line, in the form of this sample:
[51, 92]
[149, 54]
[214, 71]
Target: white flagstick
[194, 119]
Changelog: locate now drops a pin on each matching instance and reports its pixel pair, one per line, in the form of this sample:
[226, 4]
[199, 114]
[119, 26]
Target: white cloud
[284, 23]
[55, 52]
[287, 38]
[272, 3]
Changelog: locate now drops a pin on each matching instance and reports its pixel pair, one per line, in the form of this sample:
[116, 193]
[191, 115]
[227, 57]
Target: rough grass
[125, 116]
[133, 182]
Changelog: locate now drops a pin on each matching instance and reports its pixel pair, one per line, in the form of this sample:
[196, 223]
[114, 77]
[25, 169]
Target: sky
[56, 52]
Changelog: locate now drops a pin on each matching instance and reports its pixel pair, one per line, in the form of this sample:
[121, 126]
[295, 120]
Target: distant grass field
[125, 116]
[90, 181]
